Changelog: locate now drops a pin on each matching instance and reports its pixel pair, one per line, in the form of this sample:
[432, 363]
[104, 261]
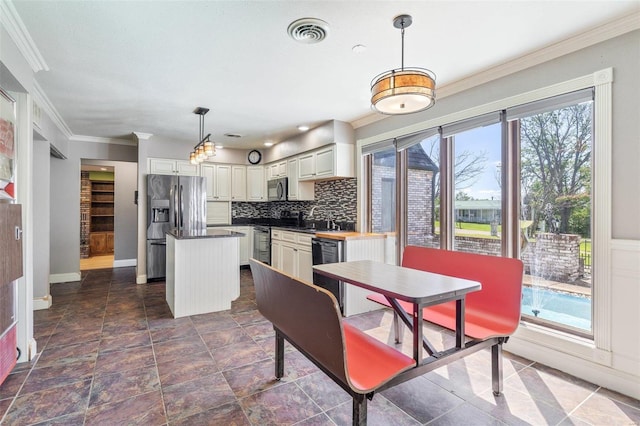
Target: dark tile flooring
[111, 354]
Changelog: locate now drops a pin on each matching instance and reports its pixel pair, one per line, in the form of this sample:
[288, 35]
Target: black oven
[262, 244]
[324, 250]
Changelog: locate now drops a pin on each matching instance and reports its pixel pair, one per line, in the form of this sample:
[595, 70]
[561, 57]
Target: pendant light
[403, 90]
[205, 148]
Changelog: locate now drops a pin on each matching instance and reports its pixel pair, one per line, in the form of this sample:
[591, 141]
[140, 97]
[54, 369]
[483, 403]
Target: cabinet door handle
[18, 233]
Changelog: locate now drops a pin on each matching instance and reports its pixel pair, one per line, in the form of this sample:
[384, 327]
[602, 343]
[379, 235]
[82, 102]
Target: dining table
[415, 287]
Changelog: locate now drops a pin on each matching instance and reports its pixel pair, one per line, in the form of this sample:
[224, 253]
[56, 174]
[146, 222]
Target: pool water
[564, 308]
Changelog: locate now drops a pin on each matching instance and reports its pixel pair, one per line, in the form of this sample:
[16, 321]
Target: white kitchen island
[203, 271]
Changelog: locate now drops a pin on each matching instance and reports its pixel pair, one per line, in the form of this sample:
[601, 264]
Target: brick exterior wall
[554, 257]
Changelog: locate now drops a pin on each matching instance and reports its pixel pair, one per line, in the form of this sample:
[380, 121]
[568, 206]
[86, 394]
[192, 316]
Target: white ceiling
[141, 66]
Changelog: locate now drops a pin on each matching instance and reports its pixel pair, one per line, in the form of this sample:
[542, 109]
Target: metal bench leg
[359, 411]
[279, 355]
[397, 327]
[496, 368]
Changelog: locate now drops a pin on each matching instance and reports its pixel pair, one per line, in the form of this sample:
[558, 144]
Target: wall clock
[254, 156]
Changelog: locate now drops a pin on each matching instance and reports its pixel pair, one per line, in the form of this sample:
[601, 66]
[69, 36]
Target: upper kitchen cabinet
[334, 161]
[164, 166]
[256, 183]
[297, 190]
[218, 178]
[277, 170]
[239, 183]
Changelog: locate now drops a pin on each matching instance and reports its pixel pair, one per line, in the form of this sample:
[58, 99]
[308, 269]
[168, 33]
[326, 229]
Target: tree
[556, 161]
[468, 165]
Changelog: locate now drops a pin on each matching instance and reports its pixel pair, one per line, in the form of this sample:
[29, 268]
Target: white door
[239, 183]
[223, 182]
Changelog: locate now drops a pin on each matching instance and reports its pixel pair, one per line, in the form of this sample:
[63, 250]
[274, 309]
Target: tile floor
[111, 354]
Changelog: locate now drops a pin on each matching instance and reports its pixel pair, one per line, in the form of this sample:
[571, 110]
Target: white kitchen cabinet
[256, 183]
[291, 253]
[276, 250]
[278, 170]
[245, 246]
[218, 178]
[298, 191]
[238, 183]
[307, 166]
[329, 162]
[166, 166]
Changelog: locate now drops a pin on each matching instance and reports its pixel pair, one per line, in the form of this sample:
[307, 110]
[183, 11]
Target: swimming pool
[564, 308]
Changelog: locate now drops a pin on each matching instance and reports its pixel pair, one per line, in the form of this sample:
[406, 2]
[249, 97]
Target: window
[455, 194]
[383, 191]
[555, 214]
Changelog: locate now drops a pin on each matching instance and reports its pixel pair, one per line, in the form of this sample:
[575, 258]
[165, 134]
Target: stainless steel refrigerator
[173, 202]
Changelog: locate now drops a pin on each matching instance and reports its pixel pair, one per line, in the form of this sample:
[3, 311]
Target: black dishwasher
[324, 250]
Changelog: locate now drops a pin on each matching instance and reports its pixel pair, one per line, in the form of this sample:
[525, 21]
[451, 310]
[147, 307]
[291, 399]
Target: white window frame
[531, 340]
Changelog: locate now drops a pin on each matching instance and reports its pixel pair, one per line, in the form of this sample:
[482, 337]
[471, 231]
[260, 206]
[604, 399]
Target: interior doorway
[97, 216]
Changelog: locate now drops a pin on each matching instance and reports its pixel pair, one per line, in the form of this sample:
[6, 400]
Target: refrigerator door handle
[175, 206]
[181, 208]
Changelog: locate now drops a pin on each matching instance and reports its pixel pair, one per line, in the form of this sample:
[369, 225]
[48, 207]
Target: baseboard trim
[64, 278]
[141, 279]
[43, 302]
[122, 263]
[590, 371]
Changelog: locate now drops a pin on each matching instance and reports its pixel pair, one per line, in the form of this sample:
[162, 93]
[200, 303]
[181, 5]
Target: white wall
[41, 224]
[620, 368]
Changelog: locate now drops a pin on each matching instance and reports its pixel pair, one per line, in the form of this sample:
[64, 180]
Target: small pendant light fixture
[205, 148]
[403, 90]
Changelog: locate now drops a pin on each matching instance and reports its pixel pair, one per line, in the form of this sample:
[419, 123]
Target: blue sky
[483, 139]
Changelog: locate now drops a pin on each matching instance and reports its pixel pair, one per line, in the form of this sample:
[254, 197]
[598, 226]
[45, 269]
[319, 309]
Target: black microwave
[277, 189]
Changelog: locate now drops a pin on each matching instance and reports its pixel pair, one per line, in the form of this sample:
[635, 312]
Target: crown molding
[588, 38]
[99, 139]
[43, 102]
[12, 22]
[142, 136]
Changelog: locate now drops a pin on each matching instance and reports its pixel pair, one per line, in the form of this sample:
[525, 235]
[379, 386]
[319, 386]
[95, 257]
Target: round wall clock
[254, 156]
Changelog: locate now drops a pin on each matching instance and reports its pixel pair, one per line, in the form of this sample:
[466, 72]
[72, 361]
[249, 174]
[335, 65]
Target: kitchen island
[203, 271]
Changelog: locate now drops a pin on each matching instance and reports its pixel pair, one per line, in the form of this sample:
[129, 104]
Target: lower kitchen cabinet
[291, 253]
[245, 245]
[101, 243]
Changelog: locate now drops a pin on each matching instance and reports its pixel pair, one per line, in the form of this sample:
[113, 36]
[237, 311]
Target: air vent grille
[308, 30]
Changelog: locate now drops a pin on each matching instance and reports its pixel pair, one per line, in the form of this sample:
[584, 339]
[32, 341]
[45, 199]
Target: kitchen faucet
[330, 223]
[313, 225]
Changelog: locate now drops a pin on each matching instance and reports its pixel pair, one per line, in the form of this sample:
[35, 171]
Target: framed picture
[7, 146]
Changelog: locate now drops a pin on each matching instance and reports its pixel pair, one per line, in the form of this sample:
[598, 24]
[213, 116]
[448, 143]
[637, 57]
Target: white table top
[410, 285]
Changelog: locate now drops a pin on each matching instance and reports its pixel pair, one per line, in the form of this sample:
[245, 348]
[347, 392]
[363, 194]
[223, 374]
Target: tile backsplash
[333, 197]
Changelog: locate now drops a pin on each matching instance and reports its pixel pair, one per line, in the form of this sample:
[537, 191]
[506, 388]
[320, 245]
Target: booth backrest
[306, 314]
[501, 280]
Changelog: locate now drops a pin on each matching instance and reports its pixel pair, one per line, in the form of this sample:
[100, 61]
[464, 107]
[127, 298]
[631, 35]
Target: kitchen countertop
[348, 235]
[335, 235]
[205, 233]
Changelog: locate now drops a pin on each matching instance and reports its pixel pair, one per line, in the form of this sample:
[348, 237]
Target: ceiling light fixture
[205, 148]
[268, 144]
[403, 90]
[303, 128]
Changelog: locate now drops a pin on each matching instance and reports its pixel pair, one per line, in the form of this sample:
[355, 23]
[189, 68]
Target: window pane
[383, 191]
[477, 205]
[423, 196]
[556, 216]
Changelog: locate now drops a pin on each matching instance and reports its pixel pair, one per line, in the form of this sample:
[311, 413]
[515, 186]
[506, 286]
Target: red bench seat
[309, 318]
[490, 312]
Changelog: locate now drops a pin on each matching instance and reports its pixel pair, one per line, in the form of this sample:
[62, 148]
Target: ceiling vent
[308, 30]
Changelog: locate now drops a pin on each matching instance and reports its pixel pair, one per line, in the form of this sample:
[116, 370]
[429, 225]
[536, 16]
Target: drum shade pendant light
[205, 148]
[403, 90]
